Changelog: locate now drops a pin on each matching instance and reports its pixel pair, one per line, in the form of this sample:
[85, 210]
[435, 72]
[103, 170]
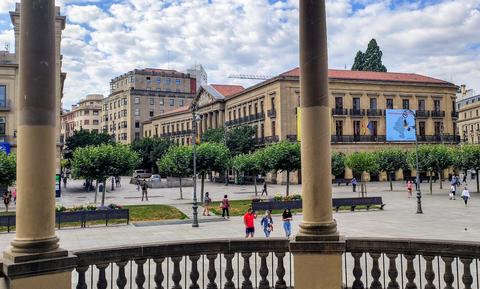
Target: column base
[61, 280]
[317, 232]
[29, 250]
[317, 271]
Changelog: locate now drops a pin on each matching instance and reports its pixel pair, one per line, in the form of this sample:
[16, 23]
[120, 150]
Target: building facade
[138, 95]
[85, 115]
[469, 119]
[9, 84]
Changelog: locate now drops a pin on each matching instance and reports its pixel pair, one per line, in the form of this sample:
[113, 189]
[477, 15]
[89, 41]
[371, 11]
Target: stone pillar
[221, 119]
[34, 259]
[317, 248]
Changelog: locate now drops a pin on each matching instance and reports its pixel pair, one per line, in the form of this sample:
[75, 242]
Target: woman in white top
[465, 195]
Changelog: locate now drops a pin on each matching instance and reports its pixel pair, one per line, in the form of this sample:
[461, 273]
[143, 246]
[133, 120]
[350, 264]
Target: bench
[354, 202]
[341, 181]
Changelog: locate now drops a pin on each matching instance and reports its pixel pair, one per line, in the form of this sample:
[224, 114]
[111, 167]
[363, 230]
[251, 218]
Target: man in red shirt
[249, 221]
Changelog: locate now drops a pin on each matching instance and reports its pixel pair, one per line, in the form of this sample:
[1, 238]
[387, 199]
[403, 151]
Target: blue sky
[105, 38]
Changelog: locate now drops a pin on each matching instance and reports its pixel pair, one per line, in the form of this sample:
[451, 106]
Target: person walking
[64, 178]
[354, 184]
[225, 207]
[287, 219]
[137, 181]
[465, 195]
[409, 188]
[264, 190]
[249, 222]
[453, 190]
[267, 223]
[6, 199]
[117, 182]
[144, 190]
[206, 204]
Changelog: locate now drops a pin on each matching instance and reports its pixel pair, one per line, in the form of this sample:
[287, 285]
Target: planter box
[336, 203]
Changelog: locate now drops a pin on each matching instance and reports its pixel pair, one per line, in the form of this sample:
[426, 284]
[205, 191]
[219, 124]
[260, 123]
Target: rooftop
[228, 90]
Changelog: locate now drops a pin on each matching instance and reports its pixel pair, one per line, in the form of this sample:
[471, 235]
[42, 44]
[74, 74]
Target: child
[465, 195]
[453, 190]
[409, 188]
[206, 205]
[267, 223]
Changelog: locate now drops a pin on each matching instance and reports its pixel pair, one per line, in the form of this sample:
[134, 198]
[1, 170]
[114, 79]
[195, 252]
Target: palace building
[468, 107]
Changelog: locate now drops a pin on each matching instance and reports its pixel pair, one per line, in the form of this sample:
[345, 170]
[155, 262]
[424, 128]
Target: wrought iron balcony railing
[374, 112]
[339, 111]
[357, 112]
[454, 114]
[437, 113]
[422, 114]
[272, 113]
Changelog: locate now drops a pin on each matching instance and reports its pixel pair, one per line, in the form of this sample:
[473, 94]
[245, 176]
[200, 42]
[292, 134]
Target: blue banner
[5, 146]
[400, 125]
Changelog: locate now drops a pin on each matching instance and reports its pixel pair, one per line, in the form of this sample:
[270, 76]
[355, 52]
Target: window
[438, 128]
[152, 101]
[132, 79]
[137, 124]
[256, 108]
[421, 105]
[262, 130]
[151, 113]
[436, 105]
[338, 102]
[171, 102]
[2, 125]
[421, 128]
[272, 99]
[406, 104]
[181, 102]
[95, 112]
[230, 115]
[137, 135]
[178, 81]
[168, 81]
[137, 112]
[374, 128]
[86, 112]
[124, 101]
[162, 102]
[86, 122]
[356, 103]
[339, 128]
[249, 109]
[115, 104]
[273, 128]
[373, 103]
[262, 109]
[158, 81]
[356, 128]
[95, 122]
[137, 100]
[3, 95]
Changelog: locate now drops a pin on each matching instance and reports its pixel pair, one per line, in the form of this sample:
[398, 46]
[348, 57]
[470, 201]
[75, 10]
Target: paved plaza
[442, 218]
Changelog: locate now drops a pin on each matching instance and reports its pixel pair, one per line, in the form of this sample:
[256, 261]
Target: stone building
[9, 84]
[140, 94]
[86, 115]
[469, 117]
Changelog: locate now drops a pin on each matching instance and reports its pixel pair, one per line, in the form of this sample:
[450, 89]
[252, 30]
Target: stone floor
[442, 218]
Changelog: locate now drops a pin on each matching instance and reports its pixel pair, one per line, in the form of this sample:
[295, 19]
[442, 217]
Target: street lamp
[195, 119]
[417, 186]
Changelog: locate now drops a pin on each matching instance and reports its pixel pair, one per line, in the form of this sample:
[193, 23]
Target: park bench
[354, 202]
[339, 181]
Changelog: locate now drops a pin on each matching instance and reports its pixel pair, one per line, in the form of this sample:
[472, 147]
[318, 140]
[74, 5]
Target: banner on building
[400, 125]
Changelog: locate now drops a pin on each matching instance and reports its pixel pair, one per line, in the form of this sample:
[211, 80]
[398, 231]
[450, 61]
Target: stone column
[221, 118]
[35, 240]
[317, 249]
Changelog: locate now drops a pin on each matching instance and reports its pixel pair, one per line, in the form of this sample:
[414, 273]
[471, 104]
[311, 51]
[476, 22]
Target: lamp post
[417, 178]
[195, 119]
[225, 143]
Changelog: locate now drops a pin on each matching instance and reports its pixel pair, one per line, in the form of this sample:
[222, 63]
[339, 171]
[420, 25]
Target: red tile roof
[177, 110]
[374, 76]
[228, 90]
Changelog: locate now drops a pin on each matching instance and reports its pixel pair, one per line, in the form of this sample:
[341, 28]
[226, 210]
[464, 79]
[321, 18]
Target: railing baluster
[467, 278]
[194, 275]
[429, 272]
[376, 272]
[229, 271]
[263, 284]
[176, 274]
[82, 284]
[158, 277]
[121, 279]
[246, 271]
[280, 284]
[410, 272]
[448, 275]
[357, 271]
[392, 271]
[140, 278]
[102, 280]
[212, 274]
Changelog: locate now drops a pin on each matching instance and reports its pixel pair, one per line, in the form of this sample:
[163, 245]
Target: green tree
[215, 135]
[469, 159]
[240, 140]
[371, 60]
[426, 162]
[100, 162]
[338, 164]
[390, 161]
[82, 138]
[283, 157]
[360, 162]
[8, 169]
[248, 164]
[442, 159]
[151, 150]
[177, 162]
[211, 157]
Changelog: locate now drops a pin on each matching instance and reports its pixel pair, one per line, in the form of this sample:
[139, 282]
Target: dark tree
[371, 60]
[241, 140]
[150, 151]
[83, 138]
[216, 135]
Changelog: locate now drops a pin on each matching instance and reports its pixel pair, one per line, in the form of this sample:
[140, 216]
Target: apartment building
[140, 94]
[468, 107]
[9, 84]
[85, 115]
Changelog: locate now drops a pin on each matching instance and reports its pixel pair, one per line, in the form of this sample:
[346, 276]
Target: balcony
[437, 113]
[422, 114]
[455, 114]
[374, 112]
[272, 113]
[271, 139]
[268, 264]
[292, 137]
[357, 112]
[357, 138]
[339, 111]
[260, 116]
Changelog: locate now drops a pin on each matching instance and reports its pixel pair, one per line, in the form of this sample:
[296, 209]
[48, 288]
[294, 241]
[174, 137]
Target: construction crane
[250, 76]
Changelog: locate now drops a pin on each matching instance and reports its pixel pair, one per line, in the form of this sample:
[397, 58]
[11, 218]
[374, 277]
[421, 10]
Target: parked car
[142, 174]
[155, 178]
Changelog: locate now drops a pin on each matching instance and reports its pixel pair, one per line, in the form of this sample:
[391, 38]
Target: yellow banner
[299, 130]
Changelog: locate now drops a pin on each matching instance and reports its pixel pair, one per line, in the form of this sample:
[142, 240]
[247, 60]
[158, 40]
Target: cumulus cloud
[106, 38]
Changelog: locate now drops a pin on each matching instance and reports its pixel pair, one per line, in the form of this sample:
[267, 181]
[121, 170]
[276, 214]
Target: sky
[106, 38]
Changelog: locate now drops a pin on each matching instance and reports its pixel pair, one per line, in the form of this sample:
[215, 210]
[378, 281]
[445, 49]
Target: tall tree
[426, 162]
[177, 162]
[82, 138]
[284, 157]
[469, 157]
[215, 135]
[8, 169]
[338, 164]
[360, 162]
[211, 157]
[248, 164]
[371, 60]
[240, 140]
[390, 161]
[442, 159]
[151, 150]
